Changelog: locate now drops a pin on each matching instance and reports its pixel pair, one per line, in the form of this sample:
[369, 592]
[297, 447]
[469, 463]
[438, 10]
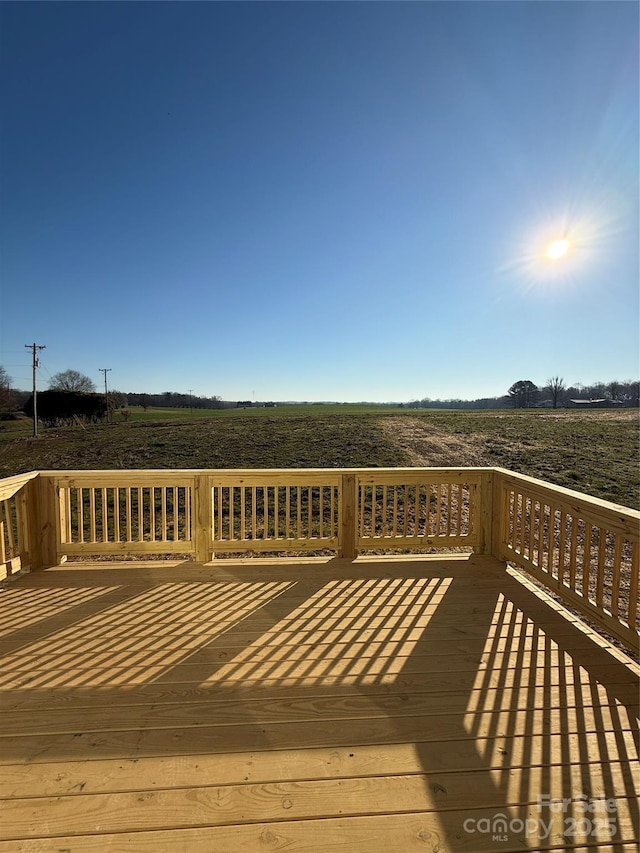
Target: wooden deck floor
[308, 706]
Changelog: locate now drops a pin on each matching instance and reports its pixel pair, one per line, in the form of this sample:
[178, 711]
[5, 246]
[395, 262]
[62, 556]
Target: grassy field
[596, 451]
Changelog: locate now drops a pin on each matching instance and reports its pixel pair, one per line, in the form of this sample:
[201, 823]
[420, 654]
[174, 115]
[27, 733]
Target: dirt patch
[427, 445]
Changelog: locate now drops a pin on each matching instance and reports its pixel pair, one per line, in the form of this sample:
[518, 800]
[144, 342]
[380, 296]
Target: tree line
[555, 393]
[175, 399]
[72, 396]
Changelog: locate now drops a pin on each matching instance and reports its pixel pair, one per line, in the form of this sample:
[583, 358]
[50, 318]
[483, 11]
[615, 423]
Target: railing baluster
[615, 582]
[573, 556]
[92, 514]
[385, 501]
[140, 516]
[394, 531]
[633, 584]
[129, 513]
[287, 512]
[67, 498]
[562, 546]
[80, 494]
[332, 512]
[586, 561]
[103, 521]
[116, 514]
[602, 545]
[540, 529]
[516, 537]
[152, 512]
[176, 531]
[3, 547]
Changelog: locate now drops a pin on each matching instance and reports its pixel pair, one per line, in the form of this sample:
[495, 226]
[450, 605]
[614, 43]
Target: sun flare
[557, 249]
[562, 250]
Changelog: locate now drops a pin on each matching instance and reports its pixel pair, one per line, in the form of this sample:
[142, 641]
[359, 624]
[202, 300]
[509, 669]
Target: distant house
[601, 403]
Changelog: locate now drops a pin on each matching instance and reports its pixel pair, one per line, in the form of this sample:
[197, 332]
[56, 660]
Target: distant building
[601, 403]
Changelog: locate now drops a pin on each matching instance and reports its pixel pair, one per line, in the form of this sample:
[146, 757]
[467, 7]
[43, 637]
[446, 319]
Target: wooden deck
[309, 705]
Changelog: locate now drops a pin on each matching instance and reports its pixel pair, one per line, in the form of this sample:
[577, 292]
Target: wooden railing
[201, 513]
[275, 510]
[130, 512]
[418, 508]
[583, 549]
[15, 539]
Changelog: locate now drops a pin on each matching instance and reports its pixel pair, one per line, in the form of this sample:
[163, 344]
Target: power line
[35, 361]
[42, 365]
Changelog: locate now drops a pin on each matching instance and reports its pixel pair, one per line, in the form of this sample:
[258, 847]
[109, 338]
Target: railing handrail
[10, 486]
[116, 472]
[571, 496]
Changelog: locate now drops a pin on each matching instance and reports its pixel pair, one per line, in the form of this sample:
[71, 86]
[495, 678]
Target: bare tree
[117, 400]
[556, 387]
[72, 380]
[615, 388]
[6, 399]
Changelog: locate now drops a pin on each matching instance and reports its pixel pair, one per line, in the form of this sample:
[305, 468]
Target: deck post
[201, 518]
[485, 545]
[499, 509]
[41, 521]
[348, 548]
[25, 535]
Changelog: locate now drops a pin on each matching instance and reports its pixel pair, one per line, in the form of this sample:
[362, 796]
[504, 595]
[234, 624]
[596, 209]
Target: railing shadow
[502, 699]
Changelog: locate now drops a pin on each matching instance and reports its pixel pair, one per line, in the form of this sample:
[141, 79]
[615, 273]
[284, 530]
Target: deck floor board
[307, 705]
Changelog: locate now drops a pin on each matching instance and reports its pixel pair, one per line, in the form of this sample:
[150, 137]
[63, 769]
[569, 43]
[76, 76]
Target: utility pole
[190, 390]
[36, 361]
[106, 370]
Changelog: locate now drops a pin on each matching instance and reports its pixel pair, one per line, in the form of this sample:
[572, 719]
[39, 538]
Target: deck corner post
[42, 522]
[348, 538]
[202, 519]
[485, 545]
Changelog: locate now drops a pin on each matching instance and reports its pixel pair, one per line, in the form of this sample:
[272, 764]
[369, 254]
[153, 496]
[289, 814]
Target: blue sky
[345, 201]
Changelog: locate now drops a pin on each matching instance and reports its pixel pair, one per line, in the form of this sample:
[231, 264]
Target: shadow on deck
[309, 705]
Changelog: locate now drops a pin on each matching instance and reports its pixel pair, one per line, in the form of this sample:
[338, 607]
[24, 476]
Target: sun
[557, 249]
